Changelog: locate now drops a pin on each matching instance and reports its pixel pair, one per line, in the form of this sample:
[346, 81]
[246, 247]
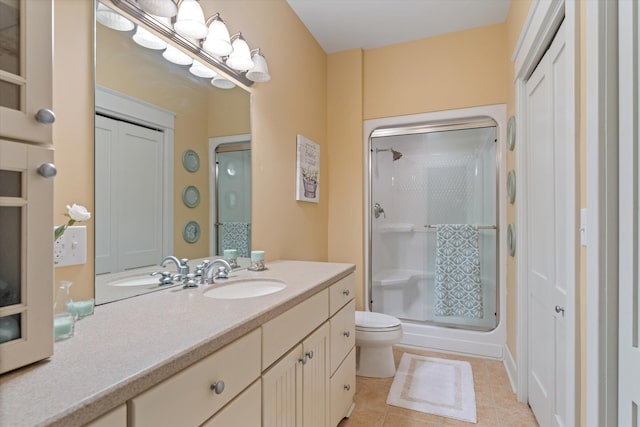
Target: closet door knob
[45, 116]
[346, 334]
[347, 387]
[309, 354]
[47, 170]
[303, 360]
[345, 292]
[218, 387]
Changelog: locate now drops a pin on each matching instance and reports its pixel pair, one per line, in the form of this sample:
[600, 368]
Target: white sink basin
[246, 288]
[136, 281]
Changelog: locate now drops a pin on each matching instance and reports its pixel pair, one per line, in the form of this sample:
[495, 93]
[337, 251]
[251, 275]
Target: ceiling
[339, 25]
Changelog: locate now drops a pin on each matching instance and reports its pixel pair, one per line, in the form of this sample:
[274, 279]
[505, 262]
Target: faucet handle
[165, 278]
[222, 273]
[189, 281]
[184, 261]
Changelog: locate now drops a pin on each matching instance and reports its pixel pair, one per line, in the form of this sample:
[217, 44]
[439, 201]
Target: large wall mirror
[172, 166]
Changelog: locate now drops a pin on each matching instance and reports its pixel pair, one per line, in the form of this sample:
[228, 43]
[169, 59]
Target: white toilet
[375, 334]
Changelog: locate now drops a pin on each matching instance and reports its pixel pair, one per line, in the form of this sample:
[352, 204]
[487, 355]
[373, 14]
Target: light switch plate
[71, 247]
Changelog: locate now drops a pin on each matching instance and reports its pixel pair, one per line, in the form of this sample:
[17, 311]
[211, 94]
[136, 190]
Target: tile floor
[497, 405]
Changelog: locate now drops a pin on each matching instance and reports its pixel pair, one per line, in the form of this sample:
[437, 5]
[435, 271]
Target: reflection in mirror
[149, 113]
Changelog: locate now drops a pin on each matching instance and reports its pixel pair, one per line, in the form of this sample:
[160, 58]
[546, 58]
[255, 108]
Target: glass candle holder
[257, 261]
[231, 255]
[82, 308]
[63, 326]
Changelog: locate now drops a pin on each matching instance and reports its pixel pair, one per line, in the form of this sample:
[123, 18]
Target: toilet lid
[369, 319]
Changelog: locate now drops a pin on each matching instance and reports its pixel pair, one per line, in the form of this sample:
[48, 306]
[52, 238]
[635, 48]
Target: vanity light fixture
[208, 41]
[175, 55]
[190, 20]
[112, 19]
[201, 70]
[218, 41]
[146, 39]
[260, 72]
[240, 57]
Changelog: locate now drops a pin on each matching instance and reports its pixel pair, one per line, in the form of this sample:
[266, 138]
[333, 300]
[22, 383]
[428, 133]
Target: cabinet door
[282, 391]
[243, 411]
[25, 69]
[315, 378]
[26, 261]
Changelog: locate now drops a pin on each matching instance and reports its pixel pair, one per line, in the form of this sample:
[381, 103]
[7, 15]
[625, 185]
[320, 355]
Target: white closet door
[128, 196]
[629, 290]
[546, 192]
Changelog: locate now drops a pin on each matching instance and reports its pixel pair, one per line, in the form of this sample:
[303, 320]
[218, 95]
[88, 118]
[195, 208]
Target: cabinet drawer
[288, 329]
[343, 388]
[341, 293]
[186, 399]
[245, 410]
[115, 418]
[343, 334]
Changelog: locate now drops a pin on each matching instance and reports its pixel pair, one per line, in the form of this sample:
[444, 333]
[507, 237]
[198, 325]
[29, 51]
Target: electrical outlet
[71, 247]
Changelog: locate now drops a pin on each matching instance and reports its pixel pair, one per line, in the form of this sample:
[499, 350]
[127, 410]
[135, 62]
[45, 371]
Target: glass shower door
[421, 182]
[234, 198]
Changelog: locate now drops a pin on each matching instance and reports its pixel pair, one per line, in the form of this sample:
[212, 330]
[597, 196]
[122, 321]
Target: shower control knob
[346, 334]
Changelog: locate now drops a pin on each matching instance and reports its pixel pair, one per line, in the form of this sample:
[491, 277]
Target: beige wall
[455, 70]
[515, 21]
[73, 129]
[346, 158]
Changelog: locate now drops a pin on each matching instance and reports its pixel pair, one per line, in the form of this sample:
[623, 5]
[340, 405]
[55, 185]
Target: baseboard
[510, 366]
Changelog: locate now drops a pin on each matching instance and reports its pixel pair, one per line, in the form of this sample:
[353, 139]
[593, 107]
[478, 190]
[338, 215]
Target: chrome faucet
[208, 276]
[183, 267]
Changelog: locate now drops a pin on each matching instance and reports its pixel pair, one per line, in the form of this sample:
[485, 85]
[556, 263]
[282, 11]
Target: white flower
[78, 212]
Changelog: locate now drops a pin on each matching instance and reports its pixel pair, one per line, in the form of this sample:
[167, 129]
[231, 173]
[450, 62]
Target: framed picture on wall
[307, 170]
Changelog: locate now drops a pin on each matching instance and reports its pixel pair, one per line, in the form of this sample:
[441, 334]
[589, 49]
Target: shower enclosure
[231, 201]
[423, 178]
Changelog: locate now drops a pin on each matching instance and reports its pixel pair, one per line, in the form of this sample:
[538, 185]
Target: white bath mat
[435, 386]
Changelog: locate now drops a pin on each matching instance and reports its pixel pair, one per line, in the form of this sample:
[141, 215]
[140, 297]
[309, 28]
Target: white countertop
[128, 346]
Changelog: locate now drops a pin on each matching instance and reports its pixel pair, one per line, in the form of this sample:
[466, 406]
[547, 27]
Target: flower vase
[63, 320]
[309, 188]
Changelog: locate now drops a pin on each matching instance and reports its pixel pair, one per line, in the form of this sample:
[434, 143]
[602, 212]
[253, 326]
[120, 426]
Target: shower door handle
[377, 210]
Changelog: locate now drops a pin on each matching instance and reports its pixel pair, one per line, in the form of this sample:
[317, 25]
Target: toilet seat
[370, 321]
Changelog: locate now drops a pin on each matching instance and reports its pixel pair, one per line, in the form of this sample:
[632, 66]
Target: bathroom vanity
[177, 357]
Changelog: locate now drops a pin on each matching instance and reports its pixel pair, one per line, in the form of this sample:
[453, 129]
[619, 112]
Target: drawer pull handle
[346, 334]
[45, 116]
[345, 292]
[218, 387]
[303, 360]
[347, 387]
[309, 354]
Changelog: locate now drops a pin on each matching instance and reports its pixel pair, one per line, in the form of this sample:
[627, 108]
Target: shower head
[396, 154]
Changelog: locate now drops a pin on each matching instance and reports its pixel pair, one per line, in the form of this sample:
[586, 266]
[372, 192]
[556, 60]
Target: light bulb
[112, 19]
[201, 70]
[240, 58]
[190, 20]
[145, 39]
[217, 41]
[260, 72]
